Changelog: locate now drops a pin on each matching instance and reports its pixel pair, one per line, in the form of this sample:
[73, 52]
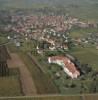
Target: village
[48, 49]
[48, 40]
[52, 30]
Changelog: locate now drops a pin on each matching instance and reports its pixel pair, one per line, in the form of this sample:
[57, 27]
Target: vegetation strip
[51, 96]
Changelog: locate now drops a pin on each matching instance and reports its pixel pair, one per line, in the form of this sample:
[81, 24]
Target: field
[59, 97]
[2, 39]
[45, 83]
[87, 55]
[42, 81]
[83, 9]
[9, 78]
[27, 84]
[10, 86]
[79, 32]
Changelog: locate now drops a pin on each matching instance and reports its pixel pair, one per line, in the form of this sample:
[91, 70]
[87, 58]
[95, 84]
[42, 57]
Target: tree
[85, 68]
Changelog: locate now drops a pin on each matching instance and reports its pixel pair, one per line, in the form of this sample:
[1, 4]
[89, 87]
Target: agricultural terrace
[9, 78]
[10, 85]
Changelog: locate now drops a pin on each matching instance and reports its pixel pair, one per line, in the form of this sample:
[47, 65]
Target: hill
[84, 9]
[26, 3]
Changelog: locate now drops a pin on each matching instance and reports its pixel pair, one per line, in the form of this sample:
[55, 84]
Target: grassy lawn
[78, 32]
[87, 55]
[63, 82]
[9, 86]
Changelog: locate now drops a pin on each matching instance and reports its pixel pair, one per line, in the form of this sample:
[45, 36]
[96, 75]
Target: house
[68, 66]
[52, 47]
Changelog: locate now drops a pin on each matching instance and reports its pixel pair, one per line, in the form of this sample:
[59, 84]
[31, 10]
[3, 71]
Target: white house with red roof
[68, 66]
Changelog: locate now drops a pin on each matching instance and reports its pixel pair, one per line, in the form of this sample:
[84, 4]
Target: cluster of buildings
[31, 24]
[36, 24]
[90, 38]
[76, 22]
[68, 66]
[45, 28]
[51, 29]
[51, 32]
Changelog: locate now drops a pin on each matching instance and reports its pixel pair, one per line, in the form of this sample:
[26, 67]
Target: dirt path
[28, 86]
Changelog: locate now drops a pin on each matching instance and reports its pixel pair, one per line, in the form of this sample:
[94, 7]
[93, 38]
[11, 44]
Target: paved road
[28, 86]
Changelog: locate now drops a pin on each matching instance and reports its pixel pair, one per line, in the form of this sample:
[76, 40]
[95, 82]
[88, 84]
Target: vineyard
[4, 56]
[9, 78]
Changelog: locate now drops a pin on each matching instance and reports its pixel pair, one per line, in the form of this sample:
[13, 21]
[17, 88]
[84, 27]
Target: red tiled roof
[68, 64]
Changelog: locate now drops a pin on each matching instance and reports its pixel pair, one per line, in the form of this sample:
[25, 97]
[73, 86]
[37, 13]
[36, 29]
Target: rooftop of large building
[66, 61]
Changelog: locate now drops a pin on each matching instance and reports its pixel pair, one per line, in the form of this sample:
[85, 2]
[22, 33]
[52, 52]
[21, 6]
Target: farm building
[67, 65]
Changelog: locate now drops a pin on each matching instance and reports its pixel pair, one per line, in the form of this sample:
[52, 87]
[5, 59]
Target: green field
[87, 56]
[83, 9]
[3, 40]
[79, 32]
[9, 86]
[43, 82]
[9, 83]
[78, 97]
[85, 12]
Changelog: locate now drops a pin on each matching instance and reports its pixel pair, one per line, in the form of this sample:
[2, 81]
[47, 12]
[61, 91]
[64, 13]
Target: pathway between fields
[28, 86]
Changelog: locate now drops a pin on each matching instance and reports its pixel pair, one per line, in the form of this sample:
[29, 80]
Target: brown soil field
[27, 83]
